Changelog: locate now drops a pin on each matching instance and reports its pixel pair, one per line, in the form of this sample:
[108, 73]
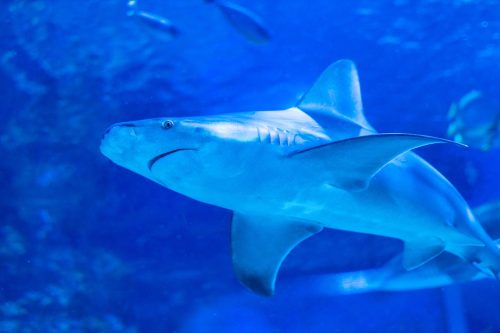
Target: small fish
[244, 21]
[475, 121]
[152, 20]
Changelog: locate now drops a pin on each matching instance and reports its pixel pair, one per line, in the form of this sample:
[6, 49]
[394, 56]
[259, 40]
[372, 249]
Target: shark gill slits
[274, 136]
[263, 134]
[283, 137]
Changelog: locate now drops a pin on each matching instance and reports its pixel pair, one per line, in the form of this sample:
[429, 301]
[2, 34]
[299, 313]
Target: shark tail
[486, 238]
[488, 254]
[487, 260]
[489, 216]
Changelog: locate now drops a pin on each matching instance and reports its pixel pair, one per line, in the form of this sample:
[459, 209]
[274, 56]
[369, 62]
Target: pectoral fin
[418, 253]
[259, 246]
[352, 163]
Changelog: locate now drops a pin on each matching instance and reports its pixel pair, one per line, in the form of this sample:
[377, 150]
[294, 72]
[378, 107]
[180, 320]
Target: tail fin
[487, 261]
[480, 232]
[489, 217]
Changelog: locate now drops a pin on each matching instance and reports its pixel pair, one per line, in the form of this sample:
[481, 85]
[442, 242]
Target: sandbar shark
[287, 174]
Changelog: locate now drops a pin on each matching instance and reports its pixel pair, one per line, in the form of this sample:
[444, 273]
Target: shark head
[192, 156]
[140, 145]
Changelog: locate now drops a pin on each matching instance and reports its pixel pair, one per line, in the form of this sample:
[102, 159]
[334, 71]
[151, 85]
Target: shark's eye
[167, 124]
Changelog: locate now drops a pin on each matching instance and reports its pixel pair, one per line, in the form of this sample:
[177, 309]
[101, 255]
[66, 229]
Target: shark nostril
[106, 132]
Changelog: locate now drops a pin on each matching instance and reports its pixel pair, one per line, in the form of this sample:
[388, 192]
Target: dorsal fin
[336, 92]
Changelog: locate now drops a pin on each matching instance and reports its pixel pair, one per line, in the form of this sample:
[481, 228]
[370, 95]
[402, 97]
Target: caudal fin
[489, 217]
[487, 259]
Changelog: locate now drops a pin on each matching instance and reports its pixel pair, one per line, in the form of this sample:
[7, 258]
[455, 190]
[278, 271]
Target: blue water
[86, 246]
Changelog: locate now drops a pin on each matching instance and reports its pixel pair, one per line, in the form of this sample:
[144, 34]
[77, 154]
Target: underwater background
[86, 246]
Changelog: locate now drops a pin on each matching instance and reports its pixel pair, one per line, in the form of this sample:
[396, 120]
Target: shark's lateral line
[287, 174]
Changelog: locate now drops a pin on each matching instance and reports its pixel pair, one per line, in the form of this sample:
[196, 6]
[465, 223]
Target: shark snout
[118, 138]
[110, 128]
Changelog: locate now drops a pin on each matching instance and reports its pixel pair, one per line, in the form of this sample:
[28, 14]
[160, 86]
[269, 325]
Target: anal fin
[488, 271]
[418, 253]
[259, 246]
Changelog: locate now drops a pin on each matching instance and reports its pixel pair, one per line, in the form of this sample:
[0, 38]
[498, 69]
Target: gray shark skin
[444, 270]
[287, 174]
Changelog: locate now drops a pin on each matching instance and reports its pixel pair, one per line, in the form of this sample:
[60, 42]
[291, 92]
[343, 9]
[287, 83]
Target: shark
[444, 270]
[287, 174]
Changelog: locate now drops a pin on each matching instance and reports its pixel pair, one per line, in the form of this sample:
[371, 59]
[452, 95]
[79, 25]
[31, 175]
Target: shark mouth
[152, 161]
